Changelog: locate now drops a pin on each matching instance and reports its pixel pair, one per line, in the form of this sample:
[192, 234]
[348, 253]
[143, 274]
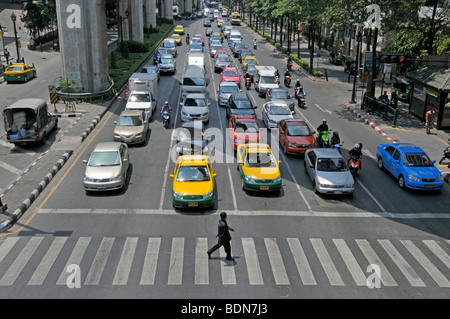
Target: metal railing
[66, 96]
[374, 106]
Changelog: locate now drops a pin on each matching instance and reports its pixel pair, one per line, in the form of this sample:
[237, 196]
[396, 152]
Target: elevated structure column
[83, 43]
[136, 20]
[168, 9]
[188, 5]
[150, 13]
[122, 7]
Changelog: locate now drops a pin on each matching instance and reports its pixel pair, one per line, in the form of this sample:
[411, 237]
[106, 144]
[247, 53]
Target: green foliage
[444, 46]
[136, 47]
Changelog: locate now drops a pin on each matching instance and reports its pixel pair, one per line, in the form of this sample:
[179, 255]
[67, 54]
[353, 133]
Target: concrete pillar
[150, 13]
[136, 19]
[168, 9]
[122, 7]
[181, 7]
[83, 43]
[188, 6]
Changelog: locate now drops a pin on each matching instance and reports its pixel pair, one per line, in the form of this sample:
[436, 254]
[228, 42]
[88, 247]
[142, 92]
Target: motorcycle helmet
[324, 121]
[357, 146]
[336, 133]
[166, 103]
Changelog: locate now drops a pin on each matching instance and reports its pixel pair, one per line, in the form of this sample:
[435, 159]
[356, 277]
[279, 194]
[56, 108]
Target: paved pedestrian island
[182, 261]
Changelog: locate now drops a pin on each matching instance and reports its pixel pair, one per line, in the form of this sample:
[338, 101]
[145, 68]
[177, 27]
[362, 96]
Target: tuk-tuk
[349, 64]
[335, 57]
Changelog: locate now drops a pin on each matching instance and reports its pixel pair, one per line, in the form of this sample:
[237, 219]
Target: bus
[235, 18]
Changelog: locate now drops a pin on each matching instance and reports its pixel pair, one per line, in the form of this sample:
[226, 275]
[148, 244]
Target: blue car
[196, 48]
[410, 165]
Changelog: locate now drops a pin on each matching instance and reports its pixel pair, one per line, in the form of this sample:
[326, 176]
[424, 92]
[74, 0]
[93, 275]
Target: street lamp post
[122, 19]
[359, 40]
[13, 18]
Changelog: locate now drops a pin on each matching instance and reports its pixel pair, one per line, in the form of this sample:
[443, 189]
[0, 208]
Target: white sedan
[275, 111]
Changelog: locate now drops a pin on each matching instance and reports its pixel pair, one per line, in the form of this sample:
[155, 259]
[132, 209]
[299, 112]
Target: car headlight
[349, 185]
[272, 122]
[177, 195]
[184, 113]
[292, 144]
[116, 135]
[139, 135]
[249, 179]
[208, 194]
[205, 114]
[326, 185]
[277, 179]
[115, 178]
[88, 179]
[413, 178]
[441, 178]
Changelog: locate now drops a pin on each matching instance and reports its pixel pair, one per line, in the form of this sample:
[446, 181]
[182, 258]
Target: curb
[35, 193]
[368, 121]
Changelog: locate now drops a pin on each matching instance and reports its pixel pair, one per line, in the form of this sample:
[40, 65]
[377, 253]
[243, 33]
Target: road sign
[318, 55]
[53, 96]
[365, 77]
[368, 63]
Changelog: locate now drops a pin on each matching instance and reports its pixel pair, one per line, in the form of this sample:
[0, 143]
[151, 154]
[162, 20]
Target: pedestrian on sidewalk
[7, 56]
[224, 237]
[429, 119]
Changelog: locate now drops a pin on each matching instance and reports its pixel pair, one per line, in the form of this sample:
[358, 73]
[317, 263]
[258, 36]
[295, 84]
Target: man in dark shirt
[224, 237]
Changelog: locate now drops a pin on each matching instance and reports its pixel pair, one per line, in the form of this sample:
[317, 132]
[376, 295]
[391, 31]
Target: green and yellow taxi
[179, 29]
[177, 38]
[193, 182]
[249, 60]
[19, 73]
[258, 168]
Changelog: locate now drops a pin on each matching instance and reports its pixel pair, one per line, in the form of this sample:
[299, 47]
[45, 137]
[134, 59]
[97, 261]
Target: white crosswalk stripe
[422, 263]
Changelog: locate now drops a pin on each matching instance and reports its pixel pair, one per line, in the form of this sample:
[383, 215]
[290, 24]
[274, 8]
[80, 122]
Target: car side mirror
[115, 122]
[85, 161]
[214, 175]
[279, 162]
[172, 176]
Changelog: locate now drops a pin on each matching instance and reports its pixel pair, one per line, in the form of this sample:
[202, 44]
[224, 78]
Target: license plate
[428, 186]
[193, 204]
[195, 118]
[101, 186]
[337, 192]
[127, 140]
[264, 188]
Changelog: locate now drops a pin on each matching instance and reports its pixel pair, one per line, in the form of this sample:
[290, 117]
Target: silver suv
[167, 64]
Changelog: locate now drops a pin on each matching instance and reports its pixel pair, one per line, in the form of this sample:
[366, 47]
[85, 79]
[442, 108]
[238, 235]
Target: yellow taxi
[179, 29]
[249, 60]
[219, 34]
[177, 38]
[219, 22]
[258, 168]
[19, 73]
[193, 182]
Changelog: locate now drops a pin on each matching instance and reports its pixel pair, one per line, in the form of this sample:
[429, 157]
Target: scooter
[354, 165]
[337, 147]
[287, 81]
[446, 155]
[289, 65]
[301, 98]
[324, 140]
[254, 44]
[248, 82]
[166, 119]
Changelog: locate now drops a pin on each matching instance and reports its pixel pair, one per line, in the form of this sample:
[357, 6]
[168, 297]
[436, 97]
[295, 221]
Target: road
[133, 244]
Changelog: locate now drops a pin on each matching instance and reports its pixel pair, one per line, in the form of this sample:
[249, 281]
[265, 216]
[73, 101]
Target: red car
[244, 129]
[231, 75]
[218, 52]
[295, 136]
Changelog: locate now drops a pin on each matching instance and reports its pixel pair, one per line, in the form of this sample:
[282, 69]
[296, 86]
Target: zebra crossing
[153, 261]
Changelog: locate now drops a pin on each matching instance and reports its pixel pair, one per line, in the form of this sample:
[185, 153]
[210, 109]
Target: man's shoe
[209, 255]
[230, 259]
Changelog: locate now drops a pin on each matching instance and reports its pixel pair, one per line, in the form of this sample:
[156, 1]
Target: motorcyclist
[289, 62]
[335, 139]
[166, 107]
[254, 44]
[357, 152]
[247, 77]
[188, 38]
[287, 73]
[322, 128]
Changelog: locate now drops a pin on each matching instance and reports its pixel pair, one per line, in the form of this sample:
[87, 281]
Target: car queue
[193, 176]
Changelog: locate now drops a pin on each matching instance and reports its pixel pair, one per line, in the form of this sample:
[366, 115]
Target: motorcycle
[166, 119]
[287, 81]
[337, 147]
[354, 165]
[289, 65]
[248, 82]
[324, 140]
[187, 40]
[446, 156]
[301, 98]
[254, 45]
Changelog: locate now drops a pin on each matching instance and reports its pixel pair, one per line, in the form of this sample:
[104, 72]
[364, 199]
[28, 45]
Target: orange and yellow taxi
[258, 168]
[19, 73]
[193, 182]
[244, 129]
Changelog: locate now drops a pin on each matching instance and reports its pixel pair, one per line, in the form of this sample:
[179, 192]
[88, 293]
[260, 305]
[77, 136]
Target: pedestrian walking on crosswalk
[224, 237]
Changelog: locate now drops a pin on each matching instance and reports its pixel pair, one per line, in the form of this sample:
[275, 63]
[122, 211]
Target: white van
[194, 80]
[235, 35]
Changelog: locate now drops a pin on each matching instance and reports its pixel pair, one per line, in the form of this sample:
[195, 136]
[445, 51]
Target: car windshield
[196, 45]
[195, 102]
[251, 61]
[250, 68]
[279, 110]
[190, 134]
[242, 104]
[255, 159]
[331, 165]
[231, 73]
[223, 58]
[282, 95]
[229, 89]
[169, 44]
[194, 81]
[104, 159]
[193, 174]
[14, 69]
[129, 121]
[217, 47]
[166, 60]
[246, 127]
[196, 40]
[298, 130]
[151, 69]
[139, 98]
[268, 79]
[417, 160]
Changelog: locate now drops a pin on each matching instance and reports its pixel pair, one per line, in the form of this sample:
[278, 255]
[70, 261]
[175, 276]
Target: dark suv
[240, 104]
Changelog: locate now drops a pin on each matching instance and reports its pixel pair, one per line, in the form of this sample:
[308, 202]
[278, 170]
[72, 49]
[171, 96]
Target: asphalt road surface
[382, 242]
